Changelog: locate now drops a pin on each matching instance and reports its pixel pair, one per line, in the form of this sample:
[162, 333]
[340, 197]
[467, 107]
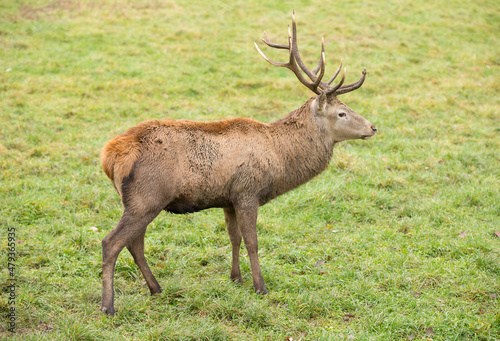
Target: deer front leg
[246, 216]
[235, 238]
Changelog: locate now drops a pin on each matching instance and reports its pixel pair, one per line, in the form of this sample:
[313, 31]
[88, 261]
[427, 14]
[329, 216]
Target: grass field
[394, 241]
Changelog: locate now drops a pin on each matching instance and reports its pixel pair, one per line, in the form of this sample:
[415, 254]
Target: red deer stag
[183, 166]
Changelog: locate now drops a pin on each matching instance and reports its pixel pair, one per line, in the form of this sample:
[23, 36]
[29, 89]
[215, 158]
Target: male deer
[183, 166]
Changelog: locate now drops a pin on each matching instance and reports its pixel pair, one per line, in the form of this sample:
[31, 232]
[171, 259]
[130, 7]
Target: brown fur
[119, 155]
[183, 166]
[238, 165]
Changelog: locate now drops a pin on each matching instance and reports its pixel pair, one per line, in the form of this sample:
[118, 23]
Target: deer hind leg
[246, 216]
[235, 237]
[129, 230]
[136, 248]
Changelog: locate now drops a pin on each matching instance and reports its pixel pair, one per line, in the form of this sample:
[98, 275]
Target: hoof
[156, 291]
[109, 312]
[262, 292]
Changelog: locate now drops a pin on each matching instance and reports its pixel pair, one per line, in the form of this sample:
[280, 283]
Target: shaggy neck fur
[302, 146]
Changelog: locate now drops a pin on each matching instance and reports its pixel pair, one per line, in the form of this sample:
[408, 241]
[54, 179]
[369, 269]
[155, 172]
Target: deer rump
[184, 166]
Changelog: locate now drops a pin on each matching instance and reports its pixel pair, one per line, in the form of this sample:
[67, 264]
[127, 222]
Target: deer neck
[302, 146]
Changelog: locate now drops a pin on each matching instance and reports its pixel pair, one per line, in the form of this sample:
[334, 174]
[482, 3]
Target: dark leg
[129, 228]
[235, 238]
[246, 216]
[136, 248]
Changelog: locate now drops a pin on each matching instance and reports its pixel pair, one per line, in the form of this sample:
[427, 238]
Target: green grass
[404, 222]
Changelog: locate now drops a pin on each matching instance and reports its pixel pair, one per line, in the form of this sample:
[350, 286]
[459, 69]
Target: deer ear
[321, 100]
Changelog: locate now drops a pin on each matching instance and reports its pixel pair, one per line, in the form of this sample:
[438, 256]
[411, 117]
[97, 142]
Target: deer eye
[342, 114]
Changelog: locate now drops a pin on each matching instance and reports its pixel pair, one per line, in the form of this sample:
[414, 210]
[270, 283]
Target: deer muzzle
[372, 133]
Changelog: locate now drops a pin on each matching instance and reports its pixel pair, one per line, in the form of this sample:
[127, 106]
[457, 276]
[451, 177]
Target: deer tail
[118, 157]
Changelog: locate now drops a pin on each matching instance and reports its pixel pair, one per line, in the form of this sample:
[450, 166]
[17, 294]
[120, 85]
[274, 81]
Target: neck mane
[302, 147]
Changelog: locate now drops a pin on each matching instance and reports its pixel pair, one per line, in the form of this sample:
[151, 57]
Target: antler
[296, 64]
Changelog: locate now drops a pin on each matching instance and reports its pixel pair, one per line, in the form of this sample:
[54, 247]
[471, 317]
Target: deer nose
[374, 129]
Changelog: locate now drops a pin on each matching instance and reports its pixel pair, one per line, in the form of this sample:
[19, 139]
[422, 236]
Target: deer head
[342, 122]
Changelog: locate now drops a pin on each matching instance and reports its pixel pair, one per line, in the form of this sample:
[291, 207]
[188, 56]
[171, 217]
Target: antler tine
[271, 44]
[269, 60]
[334, 89]
[353, 86]
[318, 67]
[321, 65]
[296, 53]
[330, 81]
